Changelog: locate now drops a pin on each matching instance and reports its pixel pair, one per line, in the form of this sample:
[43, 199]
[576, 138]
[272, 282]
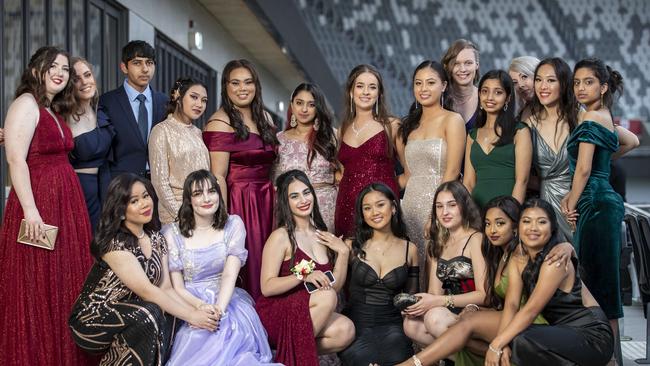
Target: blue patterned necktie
[143, 117]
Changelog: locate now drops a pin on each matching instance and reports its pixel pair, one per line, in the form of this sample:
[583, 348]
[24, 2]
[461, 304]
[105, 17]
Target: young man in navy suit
[133, 109]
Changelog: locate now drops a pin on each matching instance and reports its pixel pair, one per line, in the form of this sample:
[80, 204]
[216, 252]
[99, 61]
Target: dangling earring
[416, 104]
[316, 124]
[505, 107]
[351, 105]
[377, 108]
[122, 218]
[293, 123]
[602, 102]
[442, 100]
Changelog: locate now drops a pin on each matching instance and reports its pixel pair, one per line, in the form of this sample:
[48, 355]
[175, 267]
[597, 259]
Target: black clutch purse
[404, 300]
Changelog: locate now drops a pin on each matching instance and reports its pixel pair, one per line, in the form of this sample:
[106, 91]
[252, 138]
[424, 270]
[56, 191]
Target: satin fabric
[250, 195]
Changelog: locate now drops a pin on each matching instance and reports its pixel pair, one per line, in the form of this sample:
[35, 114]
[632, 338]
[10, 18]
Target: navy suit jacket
[129, 153]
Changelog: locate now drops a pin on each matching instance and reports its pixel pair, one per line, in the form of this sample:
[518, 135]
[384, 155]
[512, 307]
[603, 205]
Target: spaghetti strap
[220, 120]
[467, 242]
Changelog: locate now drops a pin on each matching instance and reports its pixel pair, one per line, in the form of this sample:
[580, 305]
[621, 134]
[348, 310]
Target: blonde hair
[524, 64]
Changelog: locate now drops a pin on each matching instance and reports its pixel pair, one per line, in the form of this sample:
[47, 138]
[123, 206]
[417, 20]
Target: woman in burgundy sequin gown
[38, 287]
[302, 325]
[241, 139]
[367, 143]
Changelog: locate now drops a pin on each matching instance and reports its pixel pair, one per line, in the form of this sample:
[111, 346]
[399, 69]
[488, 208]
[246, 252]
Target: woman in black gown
[577, 334]
[383, 264]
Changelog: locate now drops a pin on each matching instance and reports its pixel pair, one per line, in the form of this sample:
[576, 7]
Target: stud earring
[293, 123]
[122, 218]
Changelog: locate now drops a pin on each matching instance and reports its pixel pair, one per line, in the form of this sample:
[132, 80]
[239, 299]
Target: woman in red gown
[37, 286]
[241, 139]
[367, 143]
[301, 325]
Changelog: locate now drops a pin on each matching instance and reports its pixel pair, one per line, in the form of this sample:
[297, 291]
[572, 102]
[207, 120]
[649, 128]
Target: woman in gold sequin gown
[127, 306]
[430, 144]
[176, 147]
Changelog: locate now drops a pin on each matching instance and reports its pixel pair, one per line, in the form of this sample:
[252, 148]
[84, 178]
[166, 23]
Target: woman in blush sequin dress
[302, 325]
[309, 144]
[367, 143]
[39, 286]
[206, 250]
[175, 146]
[430, 144]
[241, 139]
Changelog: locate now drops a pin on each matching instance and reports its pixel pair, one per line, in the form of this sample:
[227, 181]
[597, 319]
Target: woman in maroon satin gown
[367, 143]
[299, 324]
[37, 286]
[241, 139]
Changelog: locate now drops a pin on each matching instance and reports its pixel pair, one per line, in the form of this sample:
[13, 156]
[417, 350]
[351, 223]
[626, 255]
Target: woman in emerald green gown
[467, 338]
[499, 150]
[592, 203]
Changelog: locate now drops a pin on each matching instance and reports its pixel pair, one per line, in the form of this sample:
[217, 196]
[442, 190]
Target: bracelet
[472, 306]
[416, 361]
[497, 351]
[449, 301]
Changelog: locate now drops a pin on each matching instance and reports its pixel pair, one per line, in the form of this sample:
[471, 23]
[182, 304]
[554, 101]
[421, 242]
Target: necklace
[206, 227]
[358, 131]
[141, 235]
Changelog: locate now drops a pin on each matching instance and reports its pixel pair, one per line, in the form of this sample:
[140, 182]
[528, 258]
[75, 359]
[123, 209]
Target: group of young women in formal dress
[242, 205]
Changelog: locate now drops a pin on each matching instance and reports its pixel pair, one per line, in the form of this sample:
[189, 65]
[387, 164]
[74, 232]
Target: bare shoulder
[453, 119]
[278, 238]
[475, 241]
[601, 117]
[219, 122]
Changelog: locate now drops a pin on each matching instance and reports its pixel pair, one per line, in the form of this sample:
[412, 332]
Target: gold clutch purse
[46, 241]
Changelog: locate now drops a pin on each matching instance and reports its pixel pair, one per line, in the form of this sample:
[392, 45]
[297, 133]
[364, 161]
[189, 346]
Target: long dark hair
[506, 121]
[32, 80]
[492, 253]
[111, 223]
[412, 120]
[197, 180]
[363, 231]
[266, 130]
[567, 105]
[530, 273]
[380, 113]
[321, 140]
[471, 216]
[605, 75]
[178, 91]
[283, 213]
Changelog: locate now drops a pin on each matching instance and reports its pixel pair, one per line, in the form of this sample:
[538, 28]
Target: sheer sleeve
[235, 237]
[173, 248]
[159, 164]
[413, 280]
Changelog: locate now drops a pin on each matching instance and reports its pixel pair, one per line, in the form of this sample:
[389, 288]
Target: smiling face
[524, 85]
[194, 102]
[492, 96]
[301, 199]
[428, 87]
[241, 87]
[535, 229]
[205, 199]
[85, 87]
[139, 72]
[57, 76]
[303, 106]
[587, 87]
[447, 210]
[139, 209]
[365, 91]
[547, 86]
[499, 228]
[465, 67]
[377, 210]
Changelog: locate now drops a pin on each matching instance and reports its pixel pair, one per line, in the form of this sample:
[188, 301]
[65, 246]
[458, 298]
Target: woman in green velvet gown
[592, 203]
[499, 150]
[466, 340]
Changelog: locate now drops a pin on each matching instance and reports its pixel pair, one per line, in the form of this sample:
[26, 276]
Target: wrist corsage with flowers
[303, 268]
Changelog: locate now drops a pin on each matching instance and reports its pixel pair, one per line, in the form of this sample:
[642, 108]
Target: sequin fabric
[292, 154]
[426, 160]
[109, 318]
[175, 150]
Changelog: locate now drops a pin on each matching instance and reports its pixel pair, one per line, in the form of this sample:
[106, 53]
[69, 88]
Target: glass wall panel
[58, 23]
[77, 34]
[37, 32]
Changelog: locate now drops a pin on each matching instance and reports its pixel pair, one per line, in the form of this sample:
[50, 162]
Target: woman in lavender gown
[206, 250]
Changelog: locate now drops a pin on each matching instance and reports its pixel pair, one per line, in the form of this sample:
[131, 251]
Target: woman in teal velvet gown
[499, 150]
[591, 202]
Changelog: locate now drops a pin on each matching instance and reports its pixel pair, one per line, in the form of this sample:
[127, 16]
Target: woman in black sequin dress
[127, 306]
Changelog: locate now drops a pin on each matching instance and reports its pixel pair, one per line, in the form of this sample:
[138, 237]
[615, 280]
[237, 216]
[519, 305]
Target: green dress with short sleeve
[495, 171]
[467, 358]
